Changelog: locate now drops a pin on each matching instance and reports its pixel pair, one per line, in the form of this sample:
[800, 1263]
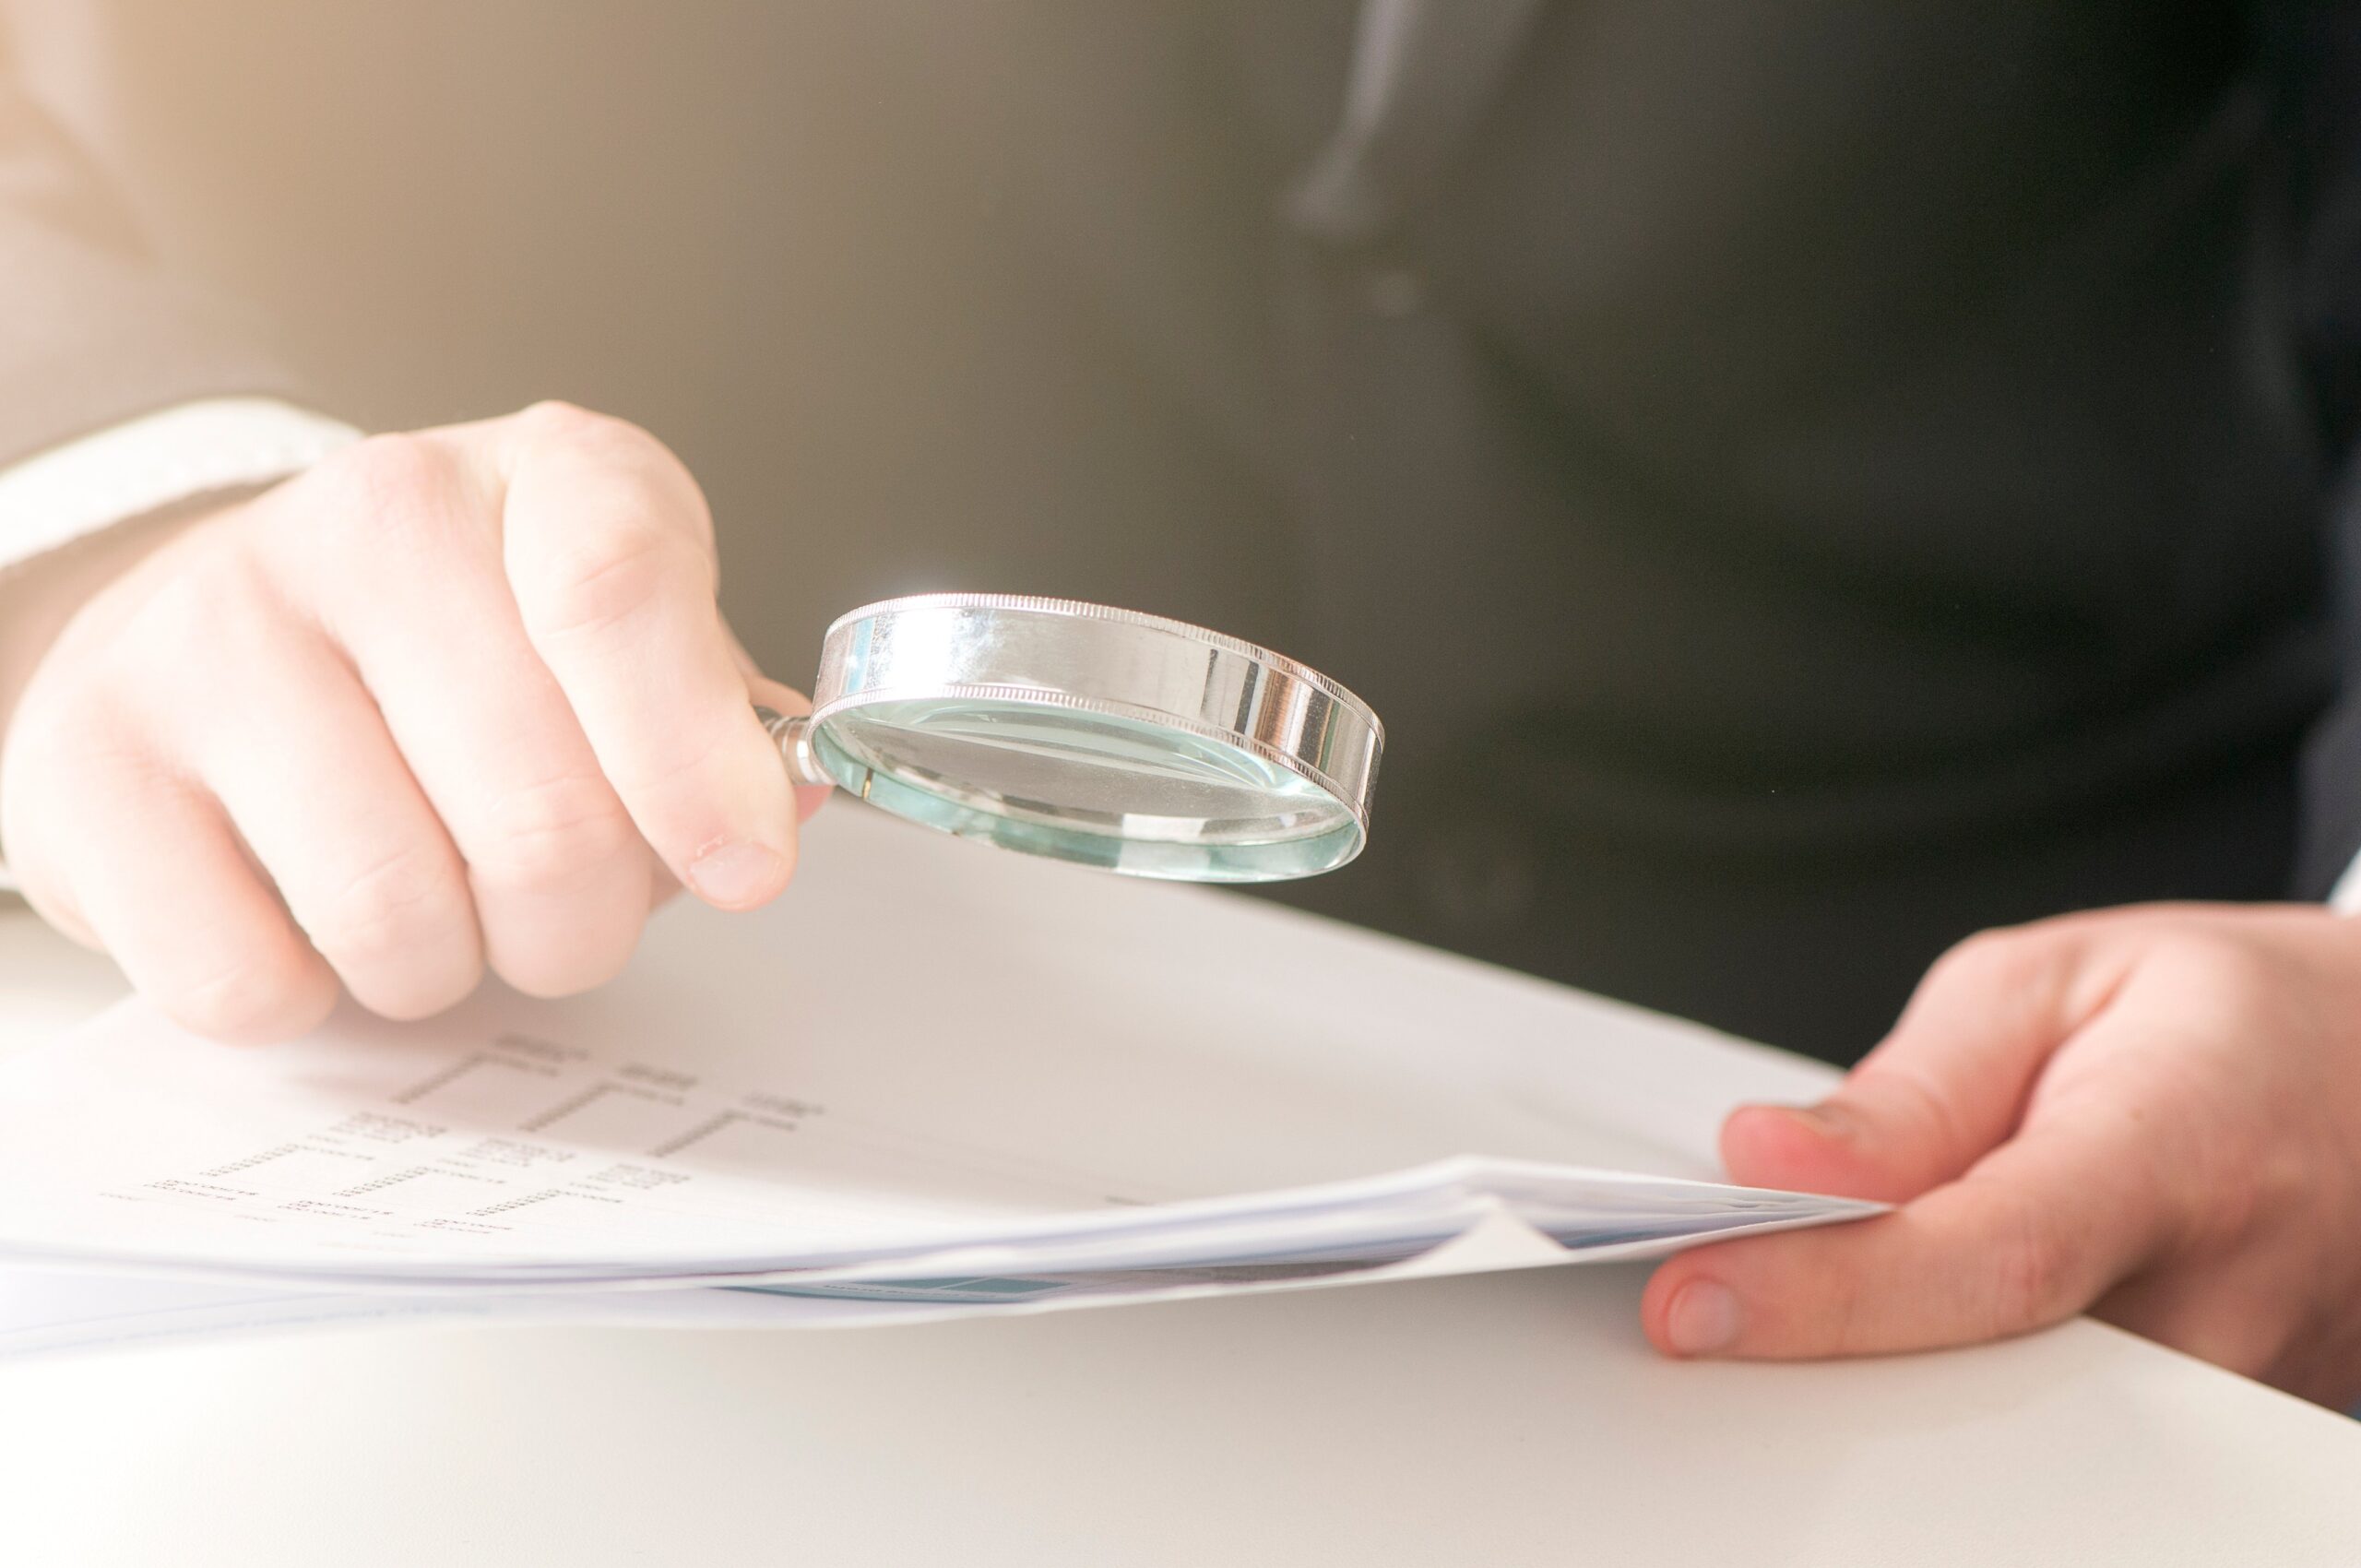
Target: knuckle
[388, 491]
[386, 476]
[593, 958]
[70, 780]
[412, 997]
[219, 613]
[553, 422]
[1928, 1117]
[2035, 1279]
[552, 832]
[607, 573]
[2026, 969]
[2229, 972]
[624, 451]
[1987, 955]
[47, 894]
[407, 901]
[261, 996]
[671, 777]
[555, 419]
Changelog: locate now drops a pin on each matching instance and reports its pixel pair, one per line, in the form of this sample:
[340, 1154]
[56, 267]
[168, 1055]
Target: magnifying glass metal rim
[1149, 670]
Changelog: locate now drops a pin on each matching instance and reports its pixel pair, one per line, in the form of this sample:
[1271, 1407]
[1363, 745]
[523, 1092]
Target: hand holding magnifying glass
[1090, 734]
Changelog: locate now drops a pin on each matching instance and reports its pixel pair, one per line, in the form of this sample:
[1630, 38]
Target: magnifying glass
[1090, 734]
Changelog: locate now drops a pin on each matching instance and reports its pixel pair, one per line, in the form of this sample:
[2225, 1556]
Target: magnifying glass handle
[793, 736]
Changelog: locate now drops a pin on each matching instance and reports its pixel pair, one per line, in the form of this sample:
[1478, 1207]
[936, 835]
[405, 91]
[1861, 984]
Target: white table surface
[1498, 1420]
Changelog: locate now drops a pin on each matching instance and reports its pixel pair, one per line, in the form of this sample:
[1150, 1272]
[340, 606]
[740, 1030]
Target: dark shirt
[1806, 481]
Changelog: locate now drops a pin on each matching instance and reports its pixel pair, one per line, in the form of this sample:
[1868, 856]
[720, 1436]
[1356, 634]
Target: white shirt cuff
[131, 470]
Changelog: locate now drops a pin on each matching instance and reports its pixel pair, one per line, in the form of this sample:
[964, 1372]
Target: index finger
[608, 549]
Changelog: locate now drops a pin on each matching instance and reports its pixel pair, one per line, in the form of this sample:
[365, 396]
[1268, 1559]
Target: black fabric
[1870, 460]
[2312, 56]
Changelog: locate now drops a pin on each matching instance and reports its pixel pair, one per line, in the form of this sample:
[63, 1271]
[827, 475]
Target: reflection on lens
[1151, 799]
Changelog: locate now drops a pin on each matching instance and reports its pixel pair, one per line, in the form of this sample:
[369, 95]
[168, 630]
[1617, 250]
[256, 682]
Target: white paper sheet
[770, 1121]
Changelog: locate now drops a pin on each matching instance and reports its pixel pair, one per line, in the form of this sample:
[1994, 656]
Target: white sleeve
[137, 467]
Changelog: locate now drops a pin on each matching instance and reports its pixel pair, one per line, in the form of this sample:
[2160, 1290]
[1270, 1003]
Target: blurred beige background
[771, 234]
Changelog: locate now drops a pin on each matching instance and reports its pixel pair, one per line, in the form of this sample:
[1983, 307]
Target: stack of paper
[935, 1080]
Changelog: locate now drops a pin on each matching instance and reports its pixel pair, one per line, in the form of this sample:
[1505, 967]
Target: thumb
[1947, 1085]
[2036, 1232]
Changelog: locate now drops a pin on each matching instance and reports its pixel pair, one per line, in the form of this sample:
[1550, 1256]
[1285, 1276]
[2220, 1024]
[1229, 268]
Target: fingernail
[1704, 1318]
[1829, 1119]
[735, 876]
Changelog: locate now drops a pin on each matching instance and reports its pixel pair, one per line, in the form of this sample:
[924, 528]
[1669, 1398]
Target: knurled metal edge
[1083, 608]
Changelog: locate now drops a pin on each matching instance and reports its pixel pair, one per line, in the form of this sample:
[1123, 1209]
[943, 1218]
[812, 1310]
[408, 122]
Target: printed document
[934, 1080]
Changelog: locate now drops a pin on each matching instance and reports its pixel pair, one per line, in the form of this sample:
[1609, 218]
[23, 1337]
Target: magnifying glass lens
[1094, 735]
[1094, 787]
